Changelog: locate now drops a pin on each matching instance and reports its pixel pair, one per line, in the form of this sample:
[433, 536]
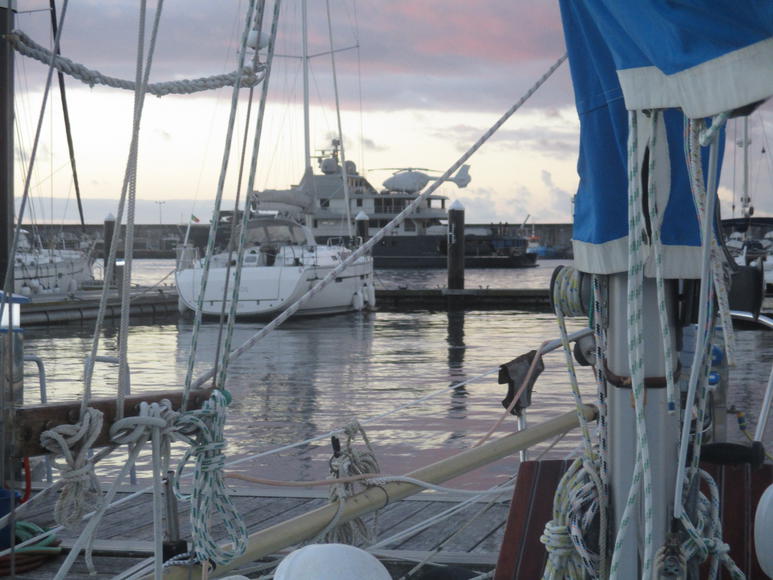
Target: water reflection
[316, 375]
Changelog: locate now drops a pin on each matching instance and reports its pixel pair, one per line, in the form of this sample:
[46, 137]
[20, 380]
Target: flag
[194, 219]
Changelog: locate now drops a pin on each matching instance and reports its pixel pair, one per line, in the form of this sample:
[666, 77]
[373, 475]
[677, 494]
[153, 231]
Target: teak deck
[124, 538]
[125, 535]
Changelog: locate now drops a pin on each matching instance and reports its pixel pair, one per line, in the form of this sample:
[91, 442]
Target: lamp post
[160, 218]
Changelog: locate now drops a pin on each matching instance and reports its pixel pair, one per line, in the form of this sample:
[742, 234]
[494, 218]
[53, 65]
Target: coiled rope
[705, 539]
[203, 431]
[347, 462]
[582, 493]
[156, 422]
[24, 45]
[575, 507]
[81, 490]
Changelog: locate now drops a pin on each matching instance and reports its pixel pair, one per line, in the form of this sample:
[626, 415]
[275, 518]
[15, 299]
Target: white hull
[50, 271]
[266, 290]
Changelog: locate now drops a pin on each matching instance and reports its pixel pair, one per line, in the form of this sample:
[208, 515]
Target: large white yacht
[328, 209]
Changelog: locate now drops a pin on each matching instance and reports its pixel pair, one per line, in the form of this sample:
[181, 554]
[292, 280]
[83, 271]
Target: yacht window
[324, 203]
[409, 225]
[299, 236]
[256, 235]
[279, 234]
[250, 259]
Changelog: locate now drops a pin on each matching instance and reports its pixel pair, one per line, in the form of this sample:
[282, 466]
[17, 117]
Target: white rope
[350, 461]
[568, 302]
[575, 506]
[273, 451]
[657, 250]
[154, 420]
[642, 474]
[600, 335]
[80, 486]
[719, 268]
[28, 47]
[203, 431]
[216, 212]
[705, 539]
[236, 289]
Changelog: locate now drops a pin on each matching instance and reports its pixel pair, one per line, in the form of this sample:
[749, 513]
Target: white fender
[331, 562]
[357, 301]
[371, 289]
[763, 531]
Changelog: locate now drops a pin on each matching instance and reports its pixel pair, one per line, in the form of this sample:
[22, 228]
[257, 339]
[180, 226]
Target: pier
[162, 301]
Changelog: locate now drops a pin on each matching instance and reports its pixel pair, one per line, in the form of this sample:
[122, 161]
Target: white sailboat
[39, 270]
[282, 262]
[280, 259]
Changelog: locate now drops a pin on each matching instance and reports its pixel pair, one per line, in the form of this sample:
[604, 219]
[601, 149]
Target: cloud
[557, 141]
[434, 54]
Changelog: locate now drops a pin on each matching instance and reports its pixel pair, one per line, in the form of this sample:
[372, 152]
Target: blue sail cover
[692, 57]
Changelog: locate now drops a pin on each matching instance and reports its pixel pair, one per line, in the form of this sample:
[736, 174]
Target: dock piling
[456, 246]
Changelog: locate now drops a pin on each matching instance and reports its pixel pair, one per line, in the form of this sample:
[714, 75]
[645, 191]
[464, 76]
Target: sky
[428, 79]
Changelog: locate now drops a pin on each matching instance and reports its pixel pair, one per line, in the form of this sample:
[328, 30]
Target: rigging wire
[216, 213]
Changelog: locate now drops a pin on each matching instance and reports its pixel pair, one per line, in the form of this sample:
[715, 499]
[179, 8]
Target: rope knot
[202, 429]
[557, 539]
[81, 491]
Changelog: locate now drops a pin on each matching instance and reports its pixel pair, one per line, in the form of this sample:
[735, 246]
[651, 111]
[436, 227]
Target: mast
[306, 137]
[6, 139]
[745, 200]
[344, 175]
[6, 231]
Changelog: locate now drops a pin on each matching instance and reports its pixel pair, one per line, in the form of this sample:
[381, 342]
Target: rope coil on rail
[81, 490]
[24, 45]
[346, 462]
[203, 431]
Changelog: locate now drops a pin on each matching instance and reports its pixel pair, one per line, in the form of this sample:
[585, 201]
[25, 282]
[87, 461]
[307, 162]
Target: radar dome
[329, 166]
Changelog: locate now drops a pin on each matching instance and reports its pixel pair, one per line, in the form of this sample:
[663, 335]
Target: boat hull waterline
[268, 290]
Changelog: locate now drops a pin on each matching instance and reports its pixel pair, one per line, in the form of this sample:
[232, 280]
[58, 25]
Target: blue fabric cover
[603, 36]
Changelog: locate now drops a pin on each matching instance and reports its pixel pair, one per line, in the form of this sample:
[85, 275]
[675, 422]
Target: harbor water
[315, 375]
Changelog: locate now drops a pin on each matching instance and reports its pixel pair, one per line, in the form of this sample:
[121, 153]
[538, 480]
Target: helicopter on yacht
[413, 179]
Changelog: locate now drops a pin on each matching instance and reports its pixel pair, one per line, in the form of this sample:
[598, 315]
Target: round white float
[330, 562]
[763, 531]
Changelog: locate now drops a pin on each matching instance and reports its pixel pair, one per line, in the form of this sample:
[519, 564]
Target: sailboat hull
[50, 271]
[268, 290]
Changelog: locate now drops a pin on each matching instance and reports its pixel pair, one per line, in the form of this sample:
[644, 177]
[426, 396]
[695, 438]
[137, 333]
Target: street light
[160, 203]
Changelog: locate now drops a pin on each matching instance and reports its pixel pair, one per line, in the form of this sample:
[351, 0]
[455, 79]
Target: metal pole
[6, 141]
[6, 228]
[662, 427]
[306, 130]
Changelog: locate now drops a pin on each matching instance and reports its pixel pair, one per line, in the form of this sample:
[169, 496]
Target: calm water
[315, 375]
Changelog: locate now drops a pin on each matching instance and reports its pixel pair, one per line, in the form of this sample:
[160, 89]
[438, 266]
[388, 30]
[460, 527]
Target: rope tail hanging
[203, 431]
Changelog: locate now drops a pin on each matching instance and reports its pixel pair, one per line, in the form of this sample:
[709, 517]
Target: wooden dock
[124, 538]
[162, 301]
